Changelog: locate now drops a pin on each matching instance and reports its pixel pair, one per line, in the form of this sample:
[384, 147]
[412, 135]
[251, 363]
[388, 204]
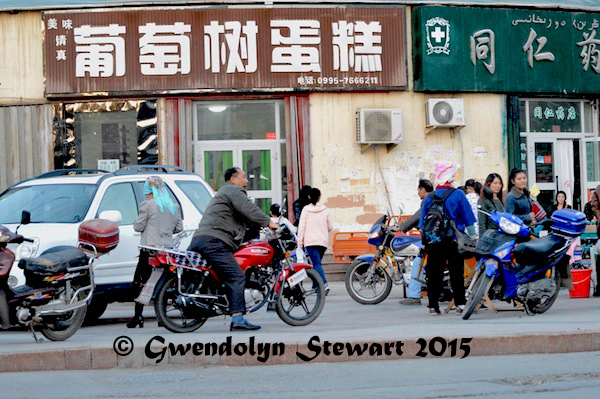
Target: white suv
[60, 200]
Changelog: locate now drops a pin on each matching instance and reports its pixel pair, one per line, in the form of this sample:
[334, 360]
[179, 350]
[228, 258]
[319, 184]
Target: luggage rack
[184, 259]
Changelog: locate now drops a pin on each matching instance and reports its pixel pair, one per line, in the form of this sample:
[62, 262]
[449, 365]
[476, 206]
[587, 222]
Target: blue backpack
[437, 227]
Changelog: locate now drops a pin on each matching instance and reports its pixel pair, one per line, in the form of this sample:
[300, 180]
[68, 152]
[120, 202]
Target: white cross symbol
[438, 34]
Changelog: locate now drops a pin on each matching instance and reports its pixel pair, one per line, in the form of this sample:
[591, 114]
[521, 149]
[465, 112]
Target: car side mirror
[25, 217]
[113, 216]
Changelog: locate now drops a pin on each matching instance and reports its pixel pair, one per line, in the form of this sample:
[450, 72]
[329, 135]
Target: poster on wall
[224, 50]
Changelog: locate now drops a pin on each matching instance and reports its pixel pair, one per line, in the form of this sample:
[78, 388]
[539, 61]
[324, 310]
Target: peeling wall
[21, 59]
[351, 182]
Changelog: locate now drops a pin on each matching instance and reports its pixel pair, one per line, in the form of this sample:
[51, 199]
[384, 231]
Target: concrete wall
[351, 182]
[21, 59]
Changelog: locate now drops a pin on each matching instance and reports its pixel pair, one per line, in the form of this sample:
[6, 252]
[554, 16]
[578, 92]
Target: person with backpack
[443, 210]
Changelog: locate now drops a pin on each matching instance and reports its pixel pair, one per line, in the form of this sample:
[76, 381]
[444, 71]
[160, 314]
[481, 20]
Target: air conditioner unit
[378, 126]
[445, 112]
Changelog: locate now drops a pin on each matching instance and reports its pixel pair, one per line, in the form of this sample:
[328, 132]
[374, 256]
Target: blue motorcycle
[514, 269]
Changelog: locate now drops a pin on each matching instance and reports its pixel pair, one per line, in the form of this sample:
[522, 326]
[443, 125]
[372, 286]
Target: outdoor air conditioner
[378, 126]
[445, 112]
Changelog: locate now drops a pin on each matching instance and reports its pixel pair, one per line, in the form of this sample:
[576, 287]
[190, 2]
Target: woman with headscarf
[457, 208]
[159, 218]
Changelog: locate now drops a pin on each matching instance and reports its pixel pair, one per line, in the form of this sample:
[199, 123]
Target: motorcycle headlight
[509, 227]
[27, 249]
[374, 234]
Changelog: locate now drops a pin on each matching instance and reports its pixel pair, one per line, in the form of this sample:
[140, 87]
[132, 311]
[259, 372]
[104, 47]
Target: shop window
[240, 120]
[106, 135]
[120, 197]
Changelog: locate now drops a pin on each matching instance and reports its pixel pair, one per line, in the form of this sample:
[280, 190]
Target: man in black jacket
[220, 234]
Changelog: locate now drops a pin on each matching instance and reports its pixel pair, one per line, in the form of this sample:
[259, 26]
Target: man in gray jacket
[220, 234]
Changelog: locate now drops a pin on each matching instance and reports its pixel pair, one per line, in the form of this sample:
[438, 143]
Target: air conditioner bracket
[389, 146]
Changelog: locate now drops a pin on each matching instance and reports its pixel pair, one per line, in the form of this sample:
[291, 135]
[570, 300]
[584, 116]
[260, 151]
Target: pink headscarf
[445, 172]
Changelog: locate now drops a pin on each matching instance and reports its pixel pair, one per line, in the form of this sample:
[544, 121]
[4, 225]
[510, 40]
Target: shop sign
[225, 50]
[505, 50]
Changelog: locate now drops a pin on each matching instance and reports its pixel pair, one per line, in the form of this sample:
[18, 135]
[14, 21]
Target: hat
[445, 172]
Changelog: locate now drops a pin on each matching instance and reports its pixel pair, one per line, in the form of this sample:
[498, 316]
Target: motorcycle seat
[536, 251]
[51, 263]
[399, 243]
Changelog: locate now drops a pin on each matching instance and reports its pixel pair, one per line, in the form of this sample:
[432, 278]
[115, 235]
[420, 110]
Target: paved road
[572, 376]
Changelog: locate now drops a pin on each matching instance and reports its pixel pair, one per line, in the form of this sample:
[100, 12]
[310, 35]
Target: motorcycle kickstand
[35, 337]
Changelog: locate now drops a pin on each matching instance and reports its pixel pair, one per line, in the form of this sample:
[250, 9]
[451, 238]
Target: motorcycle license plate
[296, 278]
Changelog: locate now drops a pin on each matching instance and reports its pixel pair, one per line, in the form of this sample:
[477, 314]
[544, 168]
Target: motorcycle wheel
[357, 287]
[543, 308]
[172, 316]
[65, 326]
[307, 300]
[481, 287]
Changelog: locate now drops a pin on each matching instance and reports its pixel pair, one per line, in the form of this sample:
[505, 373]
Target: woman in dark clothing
[561, 202]
[301, 202]
[517, 200]
[490, 201]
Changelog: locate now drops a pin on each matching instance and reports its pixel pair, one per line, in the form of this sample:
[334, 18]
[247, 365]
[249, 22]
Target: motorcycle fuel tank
[254, 254]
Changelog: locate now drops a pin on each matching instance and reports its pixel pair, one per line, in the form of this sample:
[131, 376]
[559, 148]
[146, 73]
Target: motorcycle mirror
[26, 217]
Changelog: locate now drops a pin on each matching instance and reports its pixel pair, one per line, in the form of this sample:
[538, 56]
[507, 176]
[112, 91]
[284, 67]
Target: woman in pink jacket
[313, 232]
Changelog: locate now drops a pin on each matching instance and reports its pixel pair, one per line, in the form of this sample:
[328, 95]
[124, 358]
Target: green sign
[502, 50]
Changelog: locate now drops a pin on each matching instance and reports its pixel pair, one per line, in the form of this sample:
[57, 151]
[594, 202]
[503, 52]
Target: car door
[118, 266]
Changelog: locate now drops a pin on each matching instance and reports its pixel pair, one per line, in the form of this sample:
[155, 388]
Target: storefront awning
[21, 5]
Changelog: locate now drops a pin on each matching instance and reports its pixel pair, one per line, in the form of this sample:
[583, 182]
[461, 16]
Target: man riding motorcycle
[220, 234]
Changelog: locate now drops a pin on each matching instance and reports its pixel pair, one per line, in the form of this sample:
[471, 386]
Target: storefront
[207, 89]
[546, 66]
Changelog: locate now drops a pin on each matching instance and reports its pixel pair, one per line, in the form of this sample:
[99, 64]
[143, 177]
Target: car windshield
[55, 203]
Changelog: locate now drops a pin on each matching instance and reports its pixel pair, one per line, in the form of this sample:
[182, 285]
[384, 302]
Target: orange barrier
[347, 246]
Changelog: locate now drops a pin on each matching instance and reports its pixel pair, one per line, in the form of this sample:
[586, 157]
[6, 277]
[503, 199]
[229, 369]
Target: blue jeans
[316, 253]
[414, 287]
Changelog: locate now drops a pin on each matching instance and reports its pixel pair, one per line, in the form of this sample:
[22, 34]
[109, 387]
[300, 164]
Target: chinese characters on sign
[216, 49]
[506, 50]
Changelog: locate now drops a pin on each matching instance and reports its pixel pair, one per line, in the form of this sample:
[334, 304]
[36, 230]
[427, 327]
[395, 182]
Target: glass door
[591, 173]
[260, 160]
[542, 167]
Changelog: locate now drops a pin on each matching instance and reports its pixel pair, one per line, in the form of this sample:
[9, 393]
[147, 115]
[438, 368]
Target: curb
[106, 358]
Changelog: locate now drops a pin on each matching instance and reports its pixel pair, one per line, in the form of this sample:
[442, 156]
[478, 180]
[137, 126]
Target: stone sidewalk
[571, 325]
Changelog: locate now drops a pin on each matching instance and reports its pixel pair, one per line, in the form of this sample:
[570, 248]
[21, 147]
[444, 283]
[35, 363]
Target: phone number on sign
[334, 80]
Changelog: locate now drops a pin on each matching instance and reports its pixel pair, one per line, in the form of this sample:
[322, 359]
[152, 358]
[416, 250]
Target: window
[171, 195]
[196, 193]
[49, 203]
[120, 197]
[240, 120]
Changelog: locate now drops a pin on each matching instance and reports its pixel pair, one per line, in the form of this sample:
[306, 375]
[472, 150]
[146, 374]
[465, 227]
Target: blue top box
[568, 222]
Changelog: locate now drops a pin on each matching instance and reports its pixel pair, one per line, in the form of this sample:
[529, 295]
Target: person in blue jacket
[458, 209]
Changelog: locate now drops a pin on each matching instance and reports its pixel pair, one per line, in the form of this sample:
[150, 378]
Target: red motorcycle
[190, 291]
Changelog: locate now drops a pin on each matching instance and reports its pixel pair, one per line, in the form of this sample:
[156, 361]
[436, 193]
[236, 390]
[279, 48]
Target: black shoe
[434, 311]
[243, 326]
[136, 321]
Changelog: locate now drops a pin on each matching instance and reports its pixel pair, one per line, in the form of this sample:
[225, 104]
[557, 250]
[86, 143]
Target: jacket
[298, 205]
[457, 208]
[519, 204]
[488, 205]
[315, 225]
[157, 227]
[412, 221]
[226, 216]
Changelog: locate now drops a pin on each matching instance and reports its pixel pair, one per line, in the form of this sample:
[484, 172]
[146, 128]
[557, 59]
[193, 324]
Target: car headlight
[27, 249]
[509, 227]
